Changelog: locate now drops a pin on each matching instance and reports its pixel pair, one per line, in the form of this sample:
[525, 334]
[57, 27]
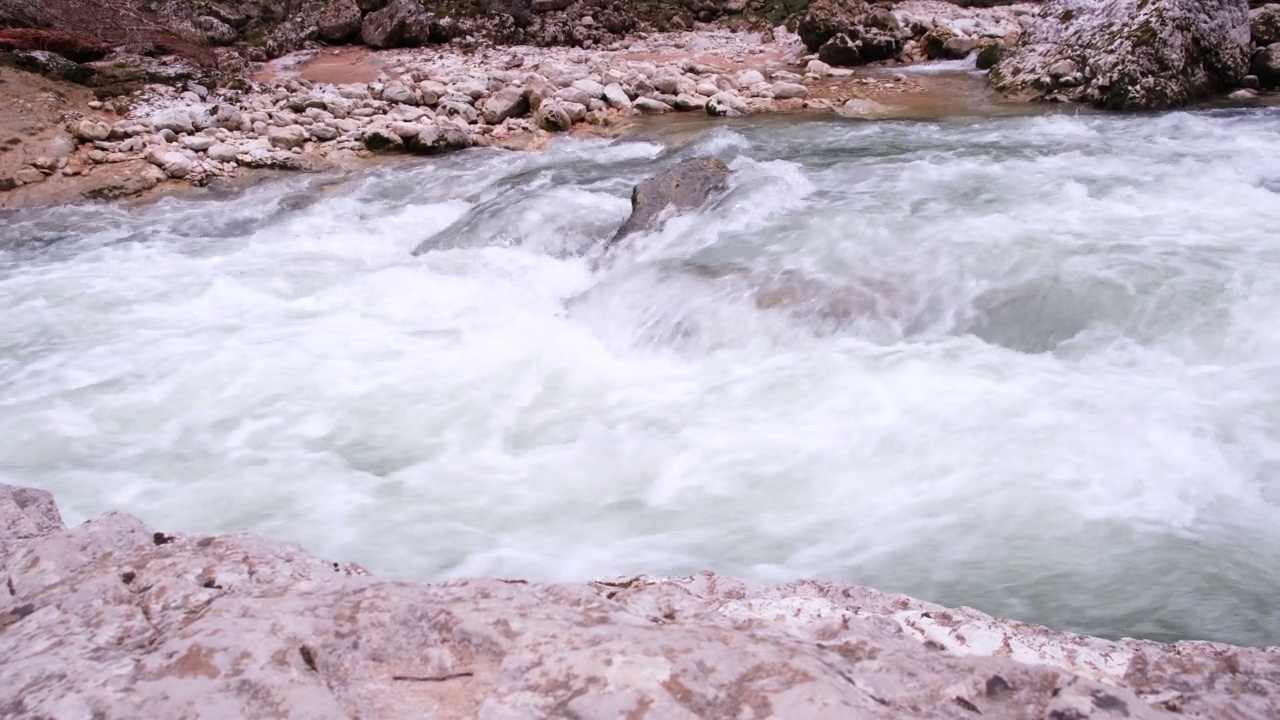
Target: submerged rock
[113, 619]
[1128, 54]
[684, 187]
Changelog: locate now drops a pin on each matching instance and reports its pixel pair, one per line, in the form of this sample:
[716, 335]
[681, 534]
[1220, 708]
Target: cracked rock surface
[112, 619]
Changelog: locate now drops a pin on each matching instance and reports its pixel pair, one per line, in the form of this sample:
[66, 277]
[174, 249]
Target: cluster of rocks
[112, 619]
[263, 29]
[854, 32]
[438, 102]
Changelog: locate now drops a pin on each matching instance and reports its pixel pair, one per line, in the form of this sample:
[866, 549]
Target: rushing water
[1054, 394]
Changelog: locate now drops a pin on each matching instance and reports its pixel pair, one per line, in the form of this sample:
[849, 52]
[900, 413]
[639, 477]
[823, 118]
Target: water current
[1030, 365]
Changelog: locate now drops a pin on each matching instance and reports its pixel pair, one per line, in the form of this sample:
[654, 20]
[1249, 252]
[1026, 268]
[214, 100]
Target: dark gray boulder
[686, 186]
[1266, 65]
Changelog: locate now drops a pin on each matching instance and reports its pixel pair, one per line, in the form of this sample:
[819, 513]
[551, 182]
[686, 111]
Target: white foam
[1061, 406]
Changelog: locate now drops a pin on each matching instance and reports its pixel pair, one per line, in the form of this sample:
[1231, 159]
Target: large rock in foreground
[112, 620]
[1128, 54]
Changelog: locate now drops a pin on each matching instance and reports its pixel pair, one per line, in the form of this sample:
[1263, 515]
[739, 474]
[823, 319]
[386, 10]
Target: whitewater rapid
[1061, 402]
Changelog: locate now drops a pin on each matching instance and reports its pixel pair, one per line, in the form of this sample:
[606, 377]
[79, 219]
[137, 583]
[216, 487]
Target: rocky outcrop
[686, 186]
[1264, 25]
[1266, 65]
[1128, 54]
[850, 32]
[401, 23]
[112, 619]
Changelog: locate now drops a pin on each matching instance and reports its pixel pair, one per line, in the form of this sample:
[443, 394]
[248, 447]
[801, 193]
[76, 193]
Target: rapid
[1030, 365]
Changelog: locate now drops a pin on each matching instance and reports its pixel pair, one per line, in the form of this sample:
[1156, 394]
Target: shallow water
[1029, 365]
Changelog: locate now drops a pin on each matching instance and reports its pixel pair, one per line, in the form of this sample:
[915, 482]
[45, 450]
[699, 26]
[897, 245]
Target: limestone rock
[616, 97]
[222, 152]
[113, 619]
[787, 91]
[90, 130]
[592, 88]
[288, 137]
[122, 180]
[198, 143]
[683, 187]
[436, 139]
[1264, 25]
[401, 23]
[176, 119]
[817, 68]
[573, 95]
[174, 164]
[215, 31]
[649, 106]
[1130, 54]
[824, 19]
[552, 115]
[340, 20]
[687, 103]
[506, 103]
[726, 104]
[870, 33]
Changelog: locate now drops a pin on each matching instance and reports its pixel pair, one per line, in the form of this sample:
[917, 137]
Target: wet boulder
[686, 186]
[1128, 54]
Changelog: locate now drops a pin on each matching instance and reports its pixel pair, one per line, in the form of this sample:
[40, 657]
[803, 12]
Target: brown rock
[122, 180]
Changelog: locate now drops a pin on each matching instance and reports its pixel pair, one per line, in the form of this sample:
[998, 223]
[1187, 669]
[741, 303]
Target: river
[1028, 364]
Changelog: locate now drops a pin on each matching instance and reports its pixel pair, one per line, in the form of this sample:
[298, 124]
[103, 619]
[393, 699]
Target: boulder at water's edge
[1128, 54]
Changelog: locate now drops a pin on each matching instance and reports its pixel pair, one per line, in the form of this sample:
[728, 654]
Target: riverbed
[1026, 364]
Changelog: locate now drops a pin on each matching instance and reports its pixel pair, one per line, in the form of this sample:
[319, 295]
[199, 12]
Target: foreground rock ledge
[112, 620]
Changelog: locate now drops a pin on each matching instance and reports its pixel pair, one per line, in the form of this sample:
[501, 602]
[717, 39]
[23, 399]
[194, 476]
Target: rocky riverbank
[323, 107]
[425, 83]
[112, 619]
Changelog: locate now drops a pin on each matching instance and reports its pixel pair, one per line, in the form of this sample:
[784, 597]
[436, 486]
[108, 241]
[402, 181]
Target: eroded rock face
[111, 619]
[1264, 24]
[401, 23]
[1128, 54]
[686, 186]
[850, 32]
